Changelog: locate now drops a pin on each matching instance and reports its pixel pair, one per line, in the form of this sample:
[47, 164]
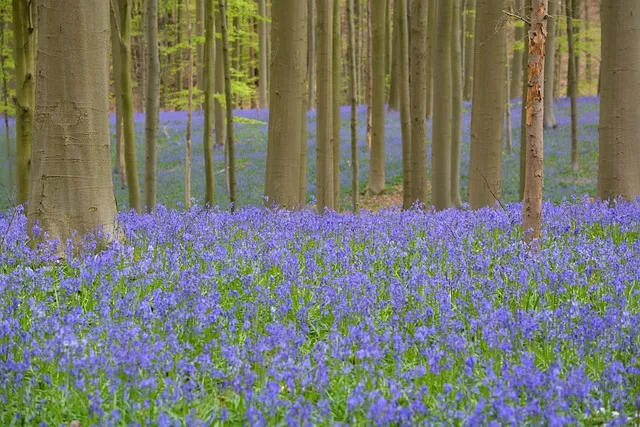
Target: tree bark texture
[262, 55]
[516, 62]
[405, 102]
[152, 105]
[431, 59]
[572, 84]
[549, 66]
[229, 103]
[353, 101]
[470, 24]
[335, 96]
[456, 109]
[377, 177]
[207, 143]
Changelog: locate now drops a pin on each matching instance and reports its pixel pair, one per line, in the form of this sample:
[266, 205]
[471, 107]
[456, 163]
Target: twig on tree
[515, 15]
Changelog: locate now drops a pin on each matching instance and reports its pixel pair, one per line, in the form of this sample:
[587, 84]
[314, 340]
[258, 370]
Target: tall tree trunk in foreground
[549, 67]
[24, 100]
[187, 163]
[377, 176]
[286, 100]
[120, 167]
[532, 202]
[619, 152]
[262, 55]
[209, 40]
[153, 105]
[128, 124]
[353, 100]
[470, 29]
[441, 145]
[229, 103]
[518, 47]
[72, 188]
[456, 99]
[572, 85]
[405, 102]
[335, 95]
[418, 51]
[488, 109]
[324, 60]
[431, 58]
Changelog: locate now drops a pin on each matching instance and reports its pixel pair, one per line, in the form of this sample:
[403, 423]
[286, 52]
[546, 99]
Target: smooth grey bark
[200, 46]
[470, 24]
[311, 53]
[405, 102]
[218, 107]
[119, 166]
[187, 163]
[572, 84]
[353, 101]
[72, 190]
[5, 100]
[549, 67]
[262, 55]
[229, 103]
[209, 37]
[152, 105]
[394, 92]
[516, 61]
[523, 111]
[456, 99]
[335, 96]
[431, 58]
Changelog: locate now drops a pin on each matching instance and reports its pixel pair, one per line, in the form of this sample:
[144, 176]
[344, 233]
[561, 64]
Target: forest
[319, 212]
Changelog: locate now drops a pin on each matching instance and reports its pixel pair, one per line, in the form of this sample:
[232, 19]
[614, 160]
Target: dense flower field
[263, 317]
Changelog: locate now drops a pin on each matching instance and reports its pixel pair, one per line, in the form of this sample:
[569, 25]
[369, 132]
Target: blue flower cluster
[269, 318]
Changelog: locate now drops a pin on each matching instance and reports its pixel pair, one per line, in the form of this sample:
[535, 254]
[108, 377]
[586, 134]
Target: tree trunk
[179, 57]
[516, 64]
[262, 55]
[153, 105]
[200, 18]
[488, 109]
[336, 81]
[388, 34]
[128, 124]
[405, 101]
[228, 100]
[523, 111]
[456, 99]
[369, 75]
[618, 171]
[418, 78]
[470, 25]
[549, 67]
[394, 92]
[572, 85]
[311, 53]
[431, 58]
[509, 131]
[377, 179]
[208, 101]
[532, 203]
[24, 100]
[119, 168]
[441, 145]
[5, 101]
[286, 102]
[354, 115]
[187, 163]
[218, 107]
[72, 188]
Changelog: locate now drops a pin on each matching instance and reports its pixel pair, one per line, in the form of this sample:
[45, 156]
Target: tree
[218, 106]
[72, 190]
[532, 202]
[200, 46]
[335, 96]
[431, 60]
[187, 164]
[419, 21]
[405, 101]
[120, 167]
[470, 24]
[488, 109]
[262, 55]
[152, 105]
[523, 111]
[209, 39]
[228, 102]
[456, 109]
[311, 53]
[324, 147]
[549, 67]
[572, 85]
[619, 150]
[518, 48]
[441, 145]
[353, 101]
[377, 178]
[24, 100]
[286, 102]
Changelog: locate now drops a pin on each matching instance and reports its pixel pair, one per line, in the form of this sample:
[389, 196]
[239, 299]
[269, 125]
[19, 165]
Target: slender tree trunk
[128, 124]
[72, 188]
[557, 75]
[388, 34]
[311, 53]
[523, 113]
[588, 63]
[119, 168]
[418, 78]
[5, 100]
[488, 109]
[431, 58]
[24, 100]
[262, 55]
[208, 101]
[187, 163]
[143, 62]
[509, 139]
[153, 104]
[618, 171]
[229, 103]
[376, 165]
[405, 102]
[357, 12]
[369, 74]
[516, 64]
[353, 101]
[441, 146]
[179, 57]
[456, 99]
[532, 204]
[549, 67]
[572, 85]
[218, 107]
[200, 45]
[394, 92]
[470, 25]
[575, 14]
[336, 82]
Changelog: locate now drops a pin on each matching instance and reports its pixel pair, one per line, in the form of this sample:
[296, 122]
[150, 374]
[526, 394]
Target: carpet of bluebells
[272, 318]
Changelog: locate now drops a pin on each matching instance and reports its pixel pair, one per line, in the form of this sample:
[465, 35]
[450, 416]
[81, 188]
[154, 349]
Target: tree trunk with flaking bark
[209, 43]
[72, 190]
[549, 67]
[418, 78]
[441, 145]
[24, 100]
[287, 98]
[152, 105]
[470, 24]
[187, 163]
[353, 101]
[405, 102]
[262, 55]
[518, 47]
[377, 177]
[619, 150]
[532, 202]
[572, 84]
[456, 109]
[336, 82]
[229, 102]
[488, 109]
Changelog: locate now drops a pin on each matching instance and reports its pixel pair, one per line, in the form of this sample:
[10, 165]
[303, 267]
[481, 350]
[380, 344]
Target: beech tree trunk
[523, 112]
[72, 188]
[218, 107]
[488, 109]
[456, 99]
[262, 55]
[572, 85]
[405, 102]
[431, 58]
[619, 148]
[469, 46]
[353, 101]
[119, 166]
[200, 18]
[516, 64]
[209, 35]
[394, 92]
[377, 177]
[336, 81]
[287, 102]
[311, 54]
[549, 67]
[152, 104]
[229, 103]
[187, 164]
